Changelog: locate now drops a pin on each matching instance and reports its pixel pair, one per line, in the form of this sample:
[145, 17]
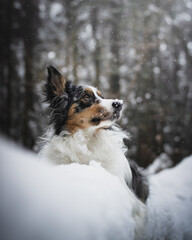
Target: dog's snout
[117, 105]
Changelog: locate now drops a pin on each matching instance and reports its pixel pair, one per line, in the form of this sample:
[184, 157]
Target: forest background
[138, 51]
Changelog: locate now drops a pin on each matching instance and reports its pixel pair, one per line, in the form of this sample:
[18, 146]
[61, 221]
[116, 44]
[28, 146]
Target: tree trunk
[71, 31]
[96, 54]
[9, 67]
[27, 138]
[115, 43]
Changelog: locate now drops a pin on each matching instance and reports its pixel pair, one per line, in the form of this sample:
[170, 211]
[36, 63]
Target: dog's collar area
[104, 128]
[66, 133]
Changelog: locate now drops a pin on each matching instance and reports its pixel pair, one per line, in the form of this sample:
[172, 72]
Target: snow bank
[162, 162]
[170, 203]
[69, 202]
[42, 201]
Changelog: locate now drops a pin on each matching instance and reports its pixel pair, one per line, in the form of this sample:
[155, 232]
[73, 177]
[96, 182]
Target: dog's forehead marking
[94, 90]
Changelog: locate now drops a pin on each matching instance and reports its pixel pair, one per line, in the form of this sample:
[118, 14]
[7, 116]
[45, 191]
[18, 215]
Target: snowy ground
[170, 203]
[42, 201]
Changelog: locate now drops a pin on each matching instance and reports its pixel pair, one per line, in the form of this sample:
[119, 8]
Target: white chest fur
[103, 146]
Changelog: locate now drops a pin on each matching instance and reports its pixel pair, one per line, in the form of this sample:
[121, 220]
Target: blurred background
[138, 51]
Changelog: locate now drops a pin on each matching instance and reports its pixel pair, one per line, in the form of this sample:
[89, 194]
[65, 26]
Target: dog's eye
[86, 97]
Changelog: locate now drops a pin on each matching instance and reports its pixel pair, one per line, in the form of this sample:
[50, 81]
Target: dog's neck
[101, 145]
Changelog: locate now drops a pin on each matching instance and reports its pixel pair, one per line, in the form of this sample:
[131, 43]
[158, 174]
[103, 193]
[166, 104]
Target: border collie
[82, 129]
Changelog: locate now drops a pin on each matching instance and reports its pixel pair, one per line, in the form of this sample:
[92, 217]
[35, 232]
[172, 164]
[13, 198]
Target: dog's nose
[117, 105]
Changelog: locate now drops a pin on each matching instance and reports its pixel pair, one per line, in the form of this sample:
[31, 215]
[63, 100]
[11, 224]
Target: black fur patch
[85, 103]
[140, 183]
[59, 105]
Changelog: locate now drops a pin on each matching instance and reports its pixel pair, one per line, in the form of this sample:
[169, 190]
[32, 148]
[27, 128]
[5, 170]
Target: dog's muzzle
[117, 107]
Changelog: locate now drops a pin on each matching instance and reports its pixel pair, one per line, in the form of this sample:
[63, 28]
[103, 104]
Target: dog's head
[78, 107]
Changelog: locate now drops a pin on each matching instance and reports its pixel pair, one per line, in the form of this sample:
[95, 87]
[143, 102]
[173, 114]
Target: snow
[160, 163]
[170, 203]
[56, 8]
[51, 55]
[44, 201]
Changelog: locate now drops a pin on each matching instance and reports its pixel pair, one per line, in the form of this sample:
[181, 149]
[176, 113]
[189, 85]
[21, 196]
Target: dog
[83, 128]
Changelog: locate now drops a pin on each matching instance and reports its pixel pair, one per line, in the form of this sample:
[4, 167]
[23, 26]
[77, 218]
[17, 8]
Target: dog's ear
[55, 85]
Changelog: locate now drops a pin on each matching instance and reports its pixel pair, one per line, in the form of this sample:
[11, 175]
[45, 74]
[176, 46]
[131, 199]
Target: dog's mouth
[115, 116]
[110, 117]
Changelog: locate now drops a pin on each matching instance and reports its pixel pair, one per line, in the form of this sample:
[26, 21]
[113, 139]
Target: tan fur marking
[99, 93]
[82, 120]
[59, 84]
[72, 109]
[89, 90]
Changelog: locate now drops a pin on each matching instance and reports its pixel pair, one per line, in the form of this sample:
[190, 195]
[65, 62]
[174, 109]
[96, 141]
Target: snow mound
[163, 161]
[170, 203]
[79, 202]
[43, 201]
